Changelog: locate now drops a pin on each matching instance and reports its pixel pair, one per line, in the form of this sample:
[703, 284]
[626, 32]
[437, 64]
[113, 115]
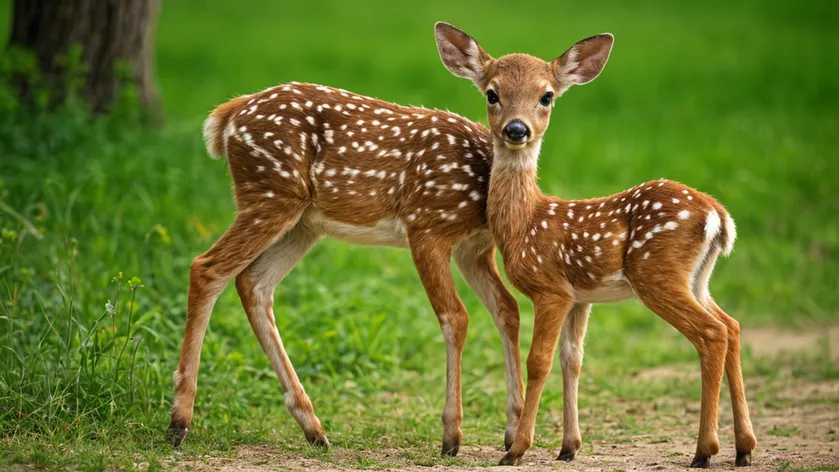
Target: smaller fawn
[657, 241]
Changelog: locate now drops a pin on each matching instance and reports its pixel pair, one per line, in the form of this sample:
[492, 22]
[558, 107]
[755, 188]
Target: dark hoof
[566, 455]
[450, 449]
[700, 462]
[451, 443]
[318, 440]
[508, 441]
[177, 433]
[744, 459]
[510, 459]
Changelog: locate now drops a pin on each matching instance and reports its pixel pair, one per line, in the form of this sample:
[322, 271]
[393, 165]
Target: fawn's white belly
[384, 232]
[613, 288]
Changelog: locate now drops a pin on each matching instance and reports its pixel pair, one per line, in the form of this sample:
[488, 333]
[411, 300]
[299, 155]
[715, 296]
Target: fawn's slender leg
[209, 274]
[432, 259]
[549, 316]
[476, 259]
[571, 360]
[744, 437]
[710, 337]
[256, 289]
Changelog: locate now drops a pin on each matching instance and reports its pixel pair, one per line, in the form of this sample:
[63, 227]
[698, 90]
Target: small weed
[785, 432]
[819, 468]
[364, 462]
[315, 452]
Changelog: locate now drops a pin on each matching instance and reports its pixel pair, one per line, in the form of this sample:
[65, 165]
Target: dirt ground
[813, 448]
[797, 430]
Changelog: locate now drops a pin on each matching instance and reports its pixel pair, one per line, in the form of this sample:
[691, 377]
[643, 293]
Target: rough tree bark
[109, 32]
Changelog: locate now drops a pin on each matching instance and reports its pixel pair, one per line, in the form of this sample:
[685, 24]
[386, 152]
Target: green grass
[784, 432]
[785, 467]
[736, 98]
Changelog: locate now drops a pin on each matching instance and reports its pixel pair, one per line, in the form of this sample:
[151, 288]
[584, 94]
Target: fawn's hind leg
[256, 289]
[209, 274]
[671, 299]
[744, 438]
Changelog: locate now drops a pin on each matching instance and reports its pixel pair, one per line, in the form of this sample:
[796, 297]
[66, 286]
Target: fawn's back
[370, 171]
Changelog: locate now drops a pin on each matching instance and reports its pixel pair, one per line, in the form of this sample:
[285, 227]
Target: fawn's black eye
[546, 99]
[492, 97]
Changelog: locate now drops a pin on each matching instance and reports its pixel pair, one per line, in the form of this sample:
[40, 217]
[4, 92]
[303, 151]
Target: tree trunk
[110, 32]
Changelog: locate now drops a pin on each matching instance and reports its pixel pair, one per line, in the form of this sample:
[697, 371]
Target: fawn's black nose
[516, 131]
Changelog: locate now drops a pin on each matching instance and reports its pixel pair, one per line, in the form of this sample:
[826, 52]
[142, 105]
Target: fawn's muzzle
[516, 131]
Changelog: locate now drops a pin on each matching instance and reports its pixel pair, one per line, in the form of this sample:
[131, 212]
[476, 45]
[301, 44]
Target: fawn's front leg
[432, 259]
[475, 258]
[549, 315]
[571, 360]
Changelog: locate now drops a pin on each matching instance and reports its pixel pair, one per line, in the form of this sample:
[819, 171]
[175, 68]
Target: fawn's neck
[513, 193]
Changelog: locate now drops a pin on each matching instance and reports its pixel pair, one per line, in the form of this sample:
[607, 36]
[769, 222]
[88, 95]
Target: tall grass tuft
[74, 352]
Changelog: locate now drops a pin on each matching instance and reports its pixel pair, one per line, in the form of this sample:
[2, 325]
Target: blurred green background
[736, 98]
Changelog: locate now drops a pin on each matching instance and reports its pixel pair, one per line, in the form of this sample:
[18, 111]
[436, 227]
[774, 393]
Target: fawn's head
[520, 89]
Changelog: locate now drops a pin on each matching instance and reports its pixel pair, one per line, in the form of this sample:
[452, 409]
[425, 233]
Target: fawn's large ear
[461, 54]
[583, 62]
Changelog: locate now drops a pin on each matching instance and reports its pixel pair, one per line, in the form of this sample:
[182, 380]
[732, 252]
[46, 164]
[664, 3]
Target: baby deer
[309, 161]
[657, 241]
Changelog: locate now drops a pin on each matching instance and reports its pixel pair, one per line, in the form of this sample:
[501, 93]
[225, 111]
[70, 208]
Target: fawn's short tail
[729, 234]
[215, 124]
[720, 227]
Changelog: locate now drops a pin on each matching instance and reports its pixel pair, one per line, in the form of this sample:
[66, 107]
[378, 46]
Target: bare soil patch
[796, 423]
[772, 341]
[800, 433]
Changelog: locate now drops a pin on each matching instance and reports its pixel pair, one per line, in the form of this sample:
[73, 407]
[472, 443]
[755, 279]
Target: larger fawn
[657, 241]
[309, 161]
